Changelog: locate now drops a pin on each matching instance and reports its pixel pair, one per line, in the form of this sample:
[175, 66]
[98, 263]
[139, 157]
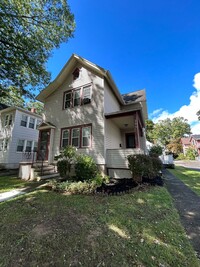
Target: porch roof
[46, 125]
[120, 113]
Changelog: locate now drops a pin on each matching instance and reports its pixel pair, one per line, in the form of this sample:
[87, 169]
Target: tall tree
[167, 131]
[29, 30]
[38, 106]
[13, 98]
[149, 130]
[198, 115]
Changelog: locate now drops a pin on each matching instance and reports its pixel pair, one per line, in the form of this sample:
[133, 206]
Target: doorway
[130, 140]
[43, 146]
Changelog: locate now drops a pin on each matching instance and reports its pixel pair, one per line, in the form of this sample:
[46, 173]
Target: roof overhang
[46, 125]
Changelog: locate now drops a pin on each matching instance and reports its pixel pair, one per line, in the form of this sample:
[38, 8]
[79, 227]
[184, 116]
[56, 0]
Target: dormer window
[76, 73]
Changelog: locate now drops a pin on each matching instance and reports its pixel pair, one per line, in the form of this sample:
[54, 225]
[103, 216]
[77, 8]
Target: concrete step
[49, 176]
[44, 168]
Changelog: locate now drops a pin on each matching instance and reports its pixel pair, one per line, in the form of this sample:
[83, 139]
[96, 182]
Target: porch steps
[43, 171]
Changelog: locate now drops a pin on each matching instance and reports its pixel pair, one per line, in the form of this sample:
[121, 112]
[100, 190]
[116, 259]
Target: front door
[130, 140]
[43, 146]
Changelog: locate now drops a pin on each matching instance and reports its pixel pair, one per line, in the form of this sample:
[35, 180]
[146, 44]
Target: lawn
[8, 183]
[44, 228]
[190, 177]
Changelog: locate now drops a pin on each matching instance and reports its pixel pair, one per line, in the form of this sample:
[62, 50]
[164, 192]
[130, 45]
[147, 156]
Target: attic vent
[76, 73]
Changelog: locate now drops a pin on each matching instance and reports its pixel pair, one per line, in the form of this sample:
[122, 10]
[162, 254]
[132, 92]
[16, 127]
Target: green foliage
[66, 158]
[74, 188]
[99, 179]
[191, 153]
[38, 106]
[181, 156]
[166, 131]
[149, 130]
[85, 168]
[12, 97]
[143, 165]
[198, 115]
[155, 151]
[175, 147]
[30, 30]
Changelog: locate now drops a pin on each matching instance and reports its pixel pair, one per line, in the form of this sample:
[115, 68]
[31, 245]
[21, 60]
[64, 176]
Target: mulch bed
[126, 184]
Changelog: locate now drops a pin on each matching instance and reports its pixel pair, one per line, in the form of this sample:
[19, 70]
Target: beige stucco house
[84, 108]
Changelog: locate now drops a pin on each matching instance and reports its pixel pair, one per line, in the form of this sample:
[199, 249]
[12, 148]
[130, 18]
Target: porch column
[137, 132]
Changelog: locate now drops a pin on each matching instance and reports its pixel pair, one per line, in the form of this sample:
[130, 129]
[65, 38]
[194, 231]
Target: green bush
[181, 156]
[65, 160]
[99, 179]
[191, 153]
[85, 168]
[144, 166]
[155, 151]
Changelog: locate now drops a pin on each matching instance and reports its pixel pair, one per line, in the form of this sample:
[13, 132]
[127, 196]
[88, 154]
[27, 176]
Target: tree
[149, 130]
[167, 131]
[38, 106]
[29, 30]
[13, 98]
[198, 115]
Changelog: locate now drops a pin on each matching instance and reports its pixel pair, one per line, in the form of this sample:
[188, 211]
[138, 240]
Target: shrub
[85, 168]
[144, 166]
[181, 156]
[140, 165]
[155, 151]
[99, 179]
[66, 158]
[191, 153]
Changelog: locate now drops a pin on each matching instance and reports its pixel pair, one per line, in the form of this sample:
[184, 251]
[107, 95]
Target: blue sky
[145, 44]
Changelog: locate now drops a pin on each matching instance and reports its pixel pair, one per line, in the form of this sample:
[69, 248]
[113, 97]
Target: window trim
[8, 120]
[31, 123]
[80, 135]
[62, 133]
[24, 121]
[24, 145]
[90, 141]
[72, 91]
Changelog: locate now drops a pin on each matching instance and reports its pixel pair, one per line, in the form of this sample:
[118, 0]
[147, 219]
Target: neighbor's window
[29, 146]
[8, 119]
[24, 120]
[20, 145]
[76, 137]
[65, 138]
[86, 136]
[35, 148]
[31, 123]
[77, 97]
[5, 144]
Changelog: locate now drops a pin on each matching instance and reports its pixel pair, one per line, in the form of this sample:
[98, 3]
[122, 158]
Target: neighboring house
[84, 108]
[195, 142]
[18, 134]
[185, 141]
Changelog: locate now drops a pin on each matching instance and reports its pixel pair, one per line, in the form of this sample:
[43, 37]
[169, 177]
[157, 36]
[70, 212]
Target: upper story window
[8, 119]
[24, 120]
[77, 97]
[76, 73]
[31, 123]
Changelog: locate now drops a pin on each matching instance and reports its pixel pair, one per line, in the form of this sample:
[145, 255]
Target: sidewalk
[11, 194]
[188, 205]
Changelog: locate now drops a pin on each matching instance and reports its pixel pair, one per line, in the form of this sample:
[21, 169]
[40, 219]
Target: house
[195, 142]
[84, 108]
[185, 141]
[18, 135]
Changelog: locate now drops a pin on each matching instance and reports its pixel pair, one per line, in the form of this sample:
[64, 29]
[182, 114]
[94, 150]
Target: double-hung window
[86, 136]
[20, 145]
[29, 146]
[76, 137]
[79, 136]
[78, 96]
[8, 120]
[35, 147]
[65, 138]
[24, 120]
[31, 123]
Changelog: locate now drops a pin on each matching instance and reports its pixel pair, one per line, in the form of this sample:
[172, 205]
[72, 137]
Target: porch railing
[117, 158]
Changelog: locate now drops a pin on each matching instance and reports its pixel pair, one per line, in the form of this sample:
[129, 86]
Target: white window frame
[72, 137]
[65, 130]
[29, 146]
[23, 116]
[75, 98]
[31, 118]
[8, 120]
[23, 145]
[82, 136]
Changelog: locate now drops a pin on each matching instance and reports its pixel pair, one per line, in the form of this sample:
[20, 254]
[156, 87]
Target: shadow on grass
[140, 229]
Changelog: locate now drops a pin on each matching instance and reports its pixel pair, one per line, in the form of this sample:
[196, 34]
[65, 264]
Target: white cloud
[186, 111]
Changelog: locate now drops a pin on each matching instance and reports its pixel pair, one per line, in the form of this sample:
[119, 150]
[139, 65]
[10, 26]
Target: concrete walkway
[188, 205]
[12, 194]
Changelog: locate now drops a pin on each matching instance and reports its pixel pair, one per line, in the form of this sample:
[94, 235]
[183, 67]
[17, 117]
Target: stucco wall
[110, 102]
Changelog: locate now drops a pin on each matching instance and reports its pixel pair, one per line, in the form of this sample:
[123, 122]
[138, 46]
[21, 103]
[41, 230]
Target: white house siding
[110, 101]
[113, 137]
[91, 113]
[12, 158]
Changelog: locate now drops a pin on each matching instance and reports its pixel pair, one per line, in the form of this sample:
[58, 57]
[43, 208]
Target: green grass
[8, 183]
[190, 177]
[44, 228]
